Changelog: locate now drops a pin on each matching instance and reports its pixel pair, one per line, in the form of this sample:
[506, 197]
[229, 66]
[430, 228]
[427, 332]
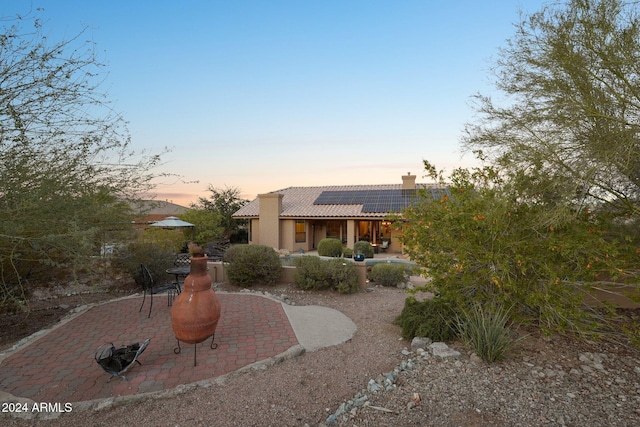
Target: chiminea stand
[212, 346]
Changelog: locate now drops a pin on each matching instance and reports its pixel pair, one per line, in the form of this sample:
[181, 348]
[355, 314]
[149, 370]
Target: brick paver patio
[60, 366]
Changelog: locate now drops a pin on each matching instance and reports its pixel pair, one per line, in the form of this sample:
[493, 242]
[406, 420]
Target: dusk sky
[264, 95]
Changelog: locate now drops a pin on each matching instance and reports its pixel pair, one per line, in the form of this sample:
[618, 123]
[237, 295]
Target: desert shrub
[311, 273]
[156, 257]
[363, 247]
[173, 240]
[386, 274]
[314, 273]
[485, 331]
[432, 318]
[330, 247]
[342, 275]
[251, 264]
[487, 239]
[347, 252]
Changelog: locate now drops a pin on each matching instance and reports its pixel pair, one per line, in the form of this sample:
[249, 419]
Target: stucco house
[297, 218]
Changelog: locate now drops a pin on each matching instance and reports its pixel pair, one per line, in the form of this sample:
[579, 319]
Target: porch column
[351, 233]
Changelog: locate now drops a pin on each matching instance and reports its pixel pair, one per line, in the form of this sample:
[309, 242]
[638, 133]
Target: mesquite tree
[554, 210]
[225, 202]
[568, 104]
[66, 165]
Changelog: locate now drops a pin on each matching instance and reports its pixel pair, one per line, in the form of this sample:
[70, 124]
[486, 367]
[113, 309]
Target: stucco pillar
[270, 208]
[351, 233]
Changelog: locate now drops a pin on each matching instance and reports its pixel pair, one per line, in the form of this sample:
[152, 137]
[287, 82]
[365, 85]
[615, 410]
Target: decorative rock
[373, 387]
[390, 376]
[406, 365]
[360, 401]
[474, 358]
[420, 342]
[441, 350]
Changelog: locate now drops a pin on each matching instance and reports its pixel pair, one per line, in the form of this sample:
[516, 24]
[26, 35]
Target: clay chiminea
[196, 311]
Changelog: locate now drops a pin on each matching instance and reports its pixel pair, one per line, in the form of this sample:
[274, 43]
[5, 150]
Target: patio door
[369, 231]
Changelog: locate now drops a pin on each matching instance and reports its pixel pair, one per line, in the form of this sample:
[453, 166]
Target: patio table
[180, 273]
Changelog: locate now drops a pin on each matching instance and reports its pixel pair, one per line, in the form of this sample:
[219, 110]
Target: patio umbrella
[171, 221]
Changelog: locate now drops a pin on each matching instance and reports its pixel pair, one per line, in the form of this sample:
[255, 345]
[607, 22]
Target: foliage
[386, 274]
[487, 241]
[431, 318]
[330, 247]
[239, 236]
[347, 252]
[569, 77]
[314, 273]
[171, 240]
[485, 331]
[225, 202]
[195, 250]
[251, 264]
[342, 276]
[157, 257]
[66, 164]
[554, 211]
[311, 273]
[207, 225]
[363, 247]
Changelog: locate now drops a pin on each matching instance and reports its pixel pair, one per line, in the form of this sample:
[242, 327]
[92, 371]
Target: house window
[301, 233]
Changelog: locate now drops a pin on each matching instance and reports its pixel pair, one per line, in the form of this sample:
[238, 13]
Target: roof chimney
[408, 181]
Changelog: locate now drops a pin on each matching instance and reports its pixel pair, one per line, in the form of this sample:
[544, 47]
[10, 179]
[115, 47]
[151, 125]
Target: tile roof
[157, 207]
[298, 202]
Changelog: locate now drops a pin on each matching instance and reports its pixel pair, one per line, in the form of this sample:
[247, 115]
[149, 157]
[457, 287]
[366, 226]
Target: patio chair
[182, 260]
[384, 246]
[150, 286]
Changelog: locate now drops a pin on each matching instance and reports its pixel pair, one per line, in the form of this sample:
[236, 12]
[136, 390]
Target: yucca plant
[485, 331]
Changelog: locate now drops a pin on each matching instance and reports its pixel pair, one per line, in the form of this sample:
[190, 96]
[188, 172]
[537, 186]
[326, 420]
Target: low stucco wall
[217, 273]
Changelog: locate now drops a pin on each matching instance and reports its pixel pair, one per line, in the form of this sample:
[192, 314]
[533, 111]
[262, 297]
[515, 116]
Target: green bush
[386, 274]
[491, 241]
[252, 264]
[343, 276]
[485, 331]
[314, 273]
[156, 257]
[330, 247]
[363, 247]
[347, 252]
[311, 273]
[431, 318]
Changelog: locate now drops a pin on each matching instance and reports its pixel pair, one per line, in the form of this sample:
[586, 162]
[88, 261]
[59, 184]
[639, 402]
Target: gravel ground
[545, 382]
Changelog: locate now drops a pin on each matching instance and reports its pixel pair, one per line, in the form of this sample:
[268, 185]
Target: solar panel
[374, 201]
